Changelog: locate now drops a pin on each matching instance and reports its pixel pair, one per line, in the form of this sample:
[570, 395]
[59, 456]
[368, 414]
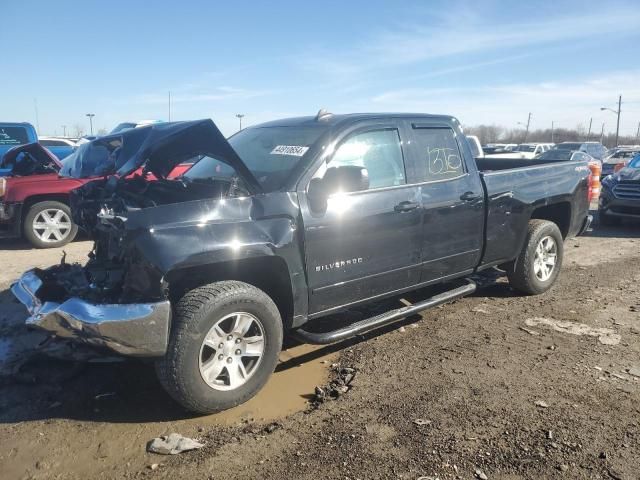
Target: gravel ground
[495, 385]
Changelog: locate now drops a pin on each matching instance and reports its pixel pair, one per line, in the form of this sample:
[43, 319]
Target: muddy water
[46, 448]
[287, 391]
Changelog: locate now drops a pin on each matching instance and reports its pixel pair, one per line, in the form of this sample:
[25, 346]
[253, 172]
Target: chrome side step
[357, 328]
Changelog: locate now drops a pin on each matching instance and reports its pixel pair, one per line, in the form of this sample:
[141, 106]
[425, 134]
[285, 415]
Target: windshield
[13, 136]
[123, 126]
[635, 163]
[556, 155]
[525, 148]
[270, 153]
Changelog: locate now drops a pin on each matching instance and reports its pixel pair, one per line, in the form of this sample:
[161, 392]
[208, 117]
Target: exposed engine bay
[116, 272]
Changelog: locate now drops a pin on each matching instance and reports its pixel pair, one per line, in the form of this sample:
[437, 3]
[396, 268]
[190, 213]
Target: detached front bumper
[138, 329]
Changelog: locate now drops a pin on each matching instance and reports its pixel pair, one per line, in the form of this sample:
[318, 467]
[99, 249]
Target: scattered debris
[422, 421]
[481, 475]
[172, 444]
[479, 310]
[541, 404]
[153, 466]
[634, 371]
[530, 332]
[606, 336]
[402, 330]
[563, 468]
[337, 387]
[272, 427]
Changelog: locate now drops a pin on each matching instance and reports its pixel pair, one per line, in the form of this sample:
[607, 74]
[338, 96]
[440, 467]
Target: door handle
[469, 197]
[406, 206]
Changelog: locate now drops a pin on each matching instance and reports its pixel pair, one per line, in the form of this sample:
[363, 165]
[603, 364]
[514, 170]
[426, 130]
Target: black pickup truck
[282, 224]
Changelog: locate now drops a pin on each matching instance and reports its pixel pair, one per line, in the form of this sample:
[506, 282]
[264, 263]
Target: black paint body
[362, 247]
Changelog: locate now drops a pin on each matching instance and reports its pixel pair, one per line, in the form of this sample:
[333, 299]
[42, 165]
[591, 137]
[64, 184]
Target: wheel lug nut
[221, 346]
[229, 360]
[220, 357]
[238, 340]
[238, 352]
[230, 337]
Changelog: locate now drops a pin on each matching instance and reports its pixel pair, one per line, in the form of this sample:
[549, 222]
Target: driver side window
[378, 151]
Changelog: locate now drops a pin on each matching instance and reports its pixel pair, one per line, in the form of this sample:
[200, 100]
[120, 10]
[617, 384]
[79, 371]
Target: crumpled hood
[28, 159]
[157, 148]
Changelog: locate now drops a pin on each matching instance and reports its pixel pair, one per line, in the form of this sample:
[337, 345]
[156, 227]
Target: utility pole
[589, 132]
[239, 117]
[169, 105]
[35, 106]
[552, 139]
[618, 125]
[91, 115]
[526, 133]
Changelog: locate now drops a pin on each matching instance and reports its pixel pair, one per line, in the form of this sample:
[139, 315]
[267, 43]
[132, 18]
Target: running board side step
[324, 338]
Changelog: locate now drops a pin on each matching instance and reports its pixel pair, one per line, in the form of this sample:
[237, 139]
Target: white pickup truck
[524, 150]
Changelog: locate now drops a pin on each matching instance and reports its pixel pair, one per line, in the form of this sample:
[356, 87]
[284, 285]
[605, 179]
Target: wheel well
[32, 200]
[558, 213]
[269, 274]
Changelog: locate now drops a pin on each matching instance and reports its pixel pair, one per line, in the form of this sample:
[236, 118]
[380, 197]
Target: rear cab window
[14, 135]
[437, 153]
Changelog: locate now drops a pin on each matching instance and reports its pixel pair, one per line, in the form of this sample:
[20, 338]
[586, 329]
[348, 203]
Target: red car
[34, 199]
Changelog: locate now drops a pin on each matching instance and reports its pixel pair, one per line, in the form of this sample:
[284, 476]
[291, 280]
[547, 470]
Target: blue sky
[482, 61]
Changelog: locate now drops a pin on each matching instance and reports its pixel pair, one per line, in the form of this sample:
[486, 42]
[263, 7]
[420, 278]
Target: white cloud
[566, 103]
[473, 33]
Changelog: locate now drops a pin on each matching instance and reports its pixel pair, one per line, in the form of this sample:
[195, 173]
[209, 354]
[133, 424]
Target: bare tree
[78, 130]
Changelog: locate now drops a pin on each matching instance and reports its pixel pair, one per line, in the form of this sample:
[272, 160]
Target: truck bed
[506, 163]
[519, 189]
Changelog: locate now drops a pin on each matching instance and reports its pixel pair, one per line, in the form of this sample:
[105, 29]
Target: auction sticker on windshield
[293, 150]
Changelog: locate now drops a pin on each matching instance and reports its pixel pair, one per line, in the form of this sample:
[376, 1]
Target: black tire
[521, 272]
[195, 314]
[30, 232]
[607, 220]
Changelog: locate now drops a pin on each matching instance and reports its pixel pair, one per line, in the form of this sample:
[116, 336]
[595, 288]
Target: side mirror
[348, 178]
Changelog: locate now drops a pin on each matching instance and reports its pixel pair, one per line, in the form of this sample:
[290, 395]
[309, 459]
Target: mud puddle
[45, 446]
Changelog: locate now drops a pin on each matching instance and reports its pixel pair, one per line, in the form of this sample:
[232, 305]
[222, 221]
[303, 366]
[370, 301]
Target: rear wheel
[224, 346]
[48, 225]
[538, 265]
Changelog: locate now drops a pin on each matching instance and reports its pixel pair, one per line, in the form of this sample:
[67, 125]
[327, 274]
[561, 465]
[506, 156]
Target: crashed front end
[120, 298]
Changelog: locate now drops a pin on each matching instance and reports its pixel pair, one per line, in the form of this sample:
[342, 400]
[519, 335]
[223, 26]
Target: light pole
[526, 132]
[602, 133]
[552, 131]
[617, 112]
[589, 132]
[91, 115]
[239, 117]
[64, 130]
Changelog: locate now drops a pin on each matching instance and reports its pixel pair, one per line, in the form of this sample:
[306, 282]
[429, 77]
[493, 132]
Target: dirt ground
[494, 386]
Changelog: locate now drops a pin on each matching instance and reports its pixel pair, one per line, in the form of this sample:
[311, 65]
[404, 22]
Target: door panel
[452, 200]
[362, 247]
[367, 243]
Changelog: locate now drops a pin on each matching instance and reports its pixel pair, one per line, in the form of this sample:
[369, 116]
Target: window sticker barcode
[293, 150]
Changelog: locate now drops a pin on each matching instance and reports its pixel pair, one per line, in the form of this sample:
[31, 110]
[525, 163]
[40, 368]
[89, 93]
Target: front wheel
[48, 225]
[223, 348]
[538, 265]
